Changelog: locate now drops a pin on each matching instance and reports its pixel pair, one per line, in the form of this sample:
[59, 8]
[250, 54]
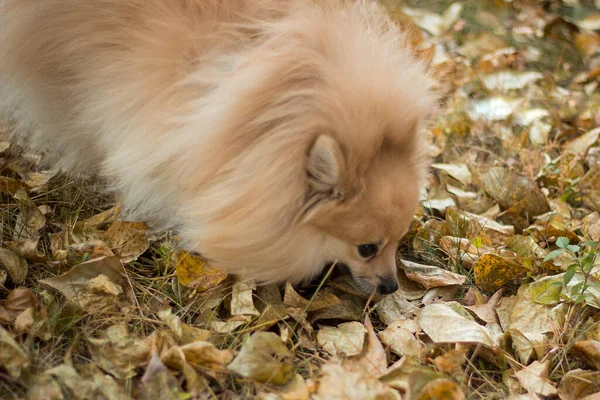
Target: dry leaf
[72, 282]
[119, 352]
[401, 340]
[534, 379]
[372, 359]
[338, 383]
[322, 299]
[158, 382]
[588, 351]
[430, 276]
[444, 325]
[17, 301]
[241, 299]
[14, 264]
[577, 384]
[194, 272]
[197, 353]
[348, 338]
[492, 272]
[13, 358]
[264, 358]
[127, 239]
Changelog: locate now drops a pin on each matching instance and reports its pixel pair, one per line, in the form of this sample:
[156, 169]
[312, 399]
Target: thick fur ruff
[206, 116]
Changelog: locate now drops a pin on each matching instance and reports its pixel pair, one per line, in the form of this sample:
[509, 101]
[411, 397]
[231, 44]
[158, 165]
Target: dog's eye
[367, 250]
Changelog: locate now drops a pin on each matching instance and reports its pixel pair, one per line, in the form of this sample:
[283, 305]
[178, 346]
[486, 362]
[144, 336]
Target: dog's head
[363, 215]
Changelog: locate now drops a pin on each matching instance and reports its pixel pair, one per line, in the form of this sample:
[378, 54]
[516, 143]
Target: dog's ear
[324, 168]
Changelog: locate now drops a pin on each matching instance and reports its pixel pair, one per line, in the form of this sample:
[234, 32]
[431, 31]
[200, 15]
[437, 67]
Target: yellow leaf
[196, 273]
[493, 272]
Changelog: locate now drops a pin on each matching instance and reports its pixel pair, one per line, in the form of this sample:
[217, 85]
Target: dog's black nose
[387, 287]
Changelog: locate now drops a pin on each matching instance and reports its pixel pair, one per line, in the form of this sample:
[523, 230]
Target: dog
[275, 136]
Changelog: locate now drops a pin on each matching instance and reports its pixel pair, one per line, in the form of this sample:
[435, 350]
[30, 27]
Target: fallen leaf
[510, 80]
[17, 301]
[119, 352]
[194, 272]
[198, 353]
[15, 265]
[460, 172]
[401, 341]
[444, 325]
[534, 379]
[395, 307]
[581, 145]
[373, 358]
[322, 299]
[89, 250]
[28, 249]
[127, 239]
[158, 382]
[347, 338]
[589, 185]
[241, 299]
[430, 276]
[487, 312]
[104, 217]
[492, 272]
[72, 284]
[577, 384]
[295, 389]
[349, 308]
[30, 220]
[587, 351]
[493, 108]
[434, 388]
[338, 383]
[264, 358]
[13, 358]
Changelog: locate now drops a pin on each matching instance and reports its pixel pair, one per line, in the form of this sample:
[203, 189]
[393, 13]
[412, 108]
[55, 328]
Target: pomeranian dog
[275, 136]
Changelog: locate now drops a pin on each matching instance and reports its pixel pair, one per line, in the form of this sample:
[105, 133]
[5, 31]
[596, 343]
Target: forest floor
[499, 284]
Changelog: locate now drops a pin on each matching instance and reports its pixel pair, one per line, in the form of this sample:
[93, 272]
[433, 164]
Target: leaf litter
[499, 275]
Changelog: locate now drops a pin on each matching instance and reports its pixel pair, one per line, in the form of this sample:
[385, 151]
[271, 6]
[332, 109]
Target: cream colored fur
[275, 135]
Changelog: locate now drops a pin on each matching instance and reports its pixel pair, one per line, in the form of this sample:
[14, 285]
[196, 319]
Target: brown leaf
[15, 265]
[89, 250]
[118, 352]
[104, 217]
[339, 383]
[30, 220]
[577, 384]
[72, 283]
[430, 276]
[322, 299]
[197, 353]
[158, 382]
[17, 301]
[487, 312]
[588, 351]
[589, 188]
[12, 357]
[10, 186]
[264, 358]
[127, 239]
[28, 249]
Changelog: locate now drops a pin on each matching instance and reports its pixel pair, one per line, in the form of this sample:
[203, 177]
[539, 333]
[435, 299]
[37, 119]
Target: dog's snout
[387, 286]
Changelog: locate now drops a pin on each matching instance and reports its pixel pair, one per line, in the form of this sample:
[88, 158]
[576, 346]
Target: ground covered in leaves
[500, 280]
